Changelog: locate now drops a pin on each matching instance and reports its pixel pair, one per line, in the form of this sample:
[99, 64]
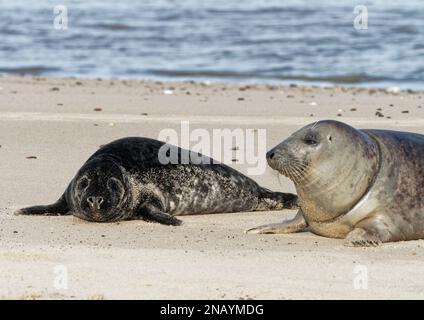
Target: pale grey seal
[366, 186]
[125, 179]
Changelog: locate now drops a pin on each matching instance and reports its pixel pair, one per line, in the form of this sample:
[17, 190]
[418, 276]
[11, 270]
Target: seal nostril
[271, 155]
[91, 200]
[95, 201]
[99, 200]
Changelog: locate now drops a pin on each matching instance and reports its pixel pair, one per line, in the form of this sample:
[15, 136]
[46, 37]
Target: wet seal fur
[125, 180]
[366, 186]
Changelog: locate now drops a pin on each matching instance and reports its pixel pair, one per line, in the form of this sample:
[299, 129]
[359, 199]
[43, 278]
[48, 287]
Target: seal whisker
[297, 169]
[290, 174]
[298, 173]
[315, 124]
[279, 178]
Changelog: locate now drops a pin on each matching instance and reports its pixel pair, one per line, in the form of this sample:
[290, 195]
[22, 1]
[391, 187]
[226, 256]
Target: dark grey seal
[125, 179]
[366, 186]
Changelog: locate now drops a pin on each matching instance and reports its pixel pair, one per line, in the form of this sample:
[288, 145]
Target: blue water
[250, 41]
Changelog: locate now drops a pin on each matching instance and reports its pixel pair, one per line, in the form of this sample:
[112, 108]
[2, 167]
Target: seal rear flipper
[59, 208]
[151, 213]
[297, 224]
[277, 201]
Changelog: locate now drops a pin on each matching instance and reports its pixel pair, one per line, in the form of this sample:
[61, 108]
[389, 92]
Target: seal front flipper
[297, 224]
[359, 237]
[151, 213]
[373, 231]
[59, 208]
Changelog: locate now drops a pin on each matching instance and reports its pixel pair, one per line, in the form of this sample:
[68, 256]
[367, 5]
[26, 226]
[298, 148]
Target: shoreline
[49, 127]
[383, 86]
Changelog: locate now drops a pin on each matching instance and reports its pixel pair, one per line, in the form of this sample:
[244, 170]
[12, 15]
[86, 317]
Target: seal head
[99, 191]
[331, 164]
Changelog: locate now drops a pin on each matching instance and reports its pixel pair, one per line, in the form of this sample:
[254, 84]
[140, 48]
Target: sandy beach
[49, 127]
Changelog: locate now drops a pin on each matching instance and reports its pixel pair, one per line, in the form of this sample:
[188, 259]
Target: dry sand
[208, 256]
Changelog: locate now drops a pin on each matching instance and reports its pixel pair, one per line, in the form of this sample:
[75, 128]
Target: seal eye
[311, 141]
[83, 184]
[114, 185]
